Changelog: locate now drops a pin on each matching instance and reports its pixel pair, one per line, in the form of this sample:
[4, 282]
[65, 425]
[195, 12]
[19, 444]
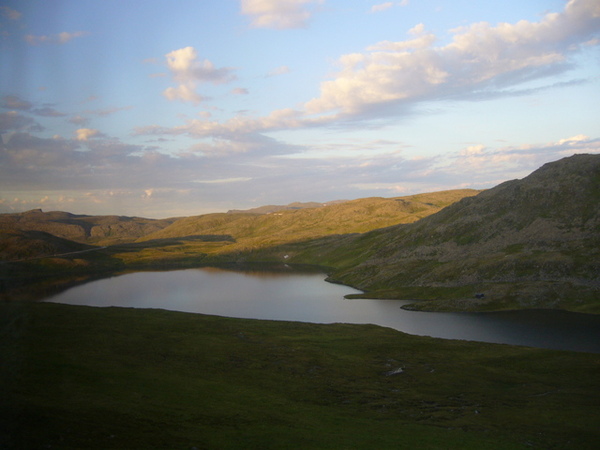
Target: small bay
[307, 297]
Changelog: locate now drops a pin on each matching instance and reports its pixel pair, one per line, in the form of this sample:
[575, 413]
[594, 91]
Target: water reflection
[306, 297]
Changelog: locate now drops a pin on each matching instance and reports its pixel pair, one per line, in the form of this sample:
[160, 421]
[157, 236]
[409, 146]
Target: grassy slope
[217, 238]
[531, 243]
[526, 244]
[213, 238]
[356, 216]
[99, 230]
[15, 245]
[80, 377]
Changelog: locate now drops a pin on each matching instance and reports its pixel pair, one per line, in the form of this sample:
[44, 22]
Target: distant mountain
[530, 243]
[269, 209]
[239, 231]
[22, 245]
[257, 231]
[102, 230]
[533, 242]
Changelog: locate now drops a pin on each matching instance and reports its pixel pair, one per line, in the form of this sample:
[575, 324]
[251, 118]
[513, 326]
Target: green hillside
[252, 231]
[99, 230]
[21, 245]
[527, 243]
[77, 377]
[530, 243]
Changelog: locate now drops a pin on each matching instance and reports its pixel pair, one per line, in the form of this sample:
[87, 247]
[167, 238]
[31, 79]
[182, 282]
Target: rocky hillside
[102, 230]
[533, 242]
[268, 209]
[530, 243]
[252, 231]
[22, 245]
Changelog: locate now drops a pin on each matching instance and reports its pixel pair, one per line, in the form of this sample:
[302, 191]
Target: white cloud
[390, 78]
[188, 71]
[387, 5]
[83, 134]
[491, 166]
[473, 150]
[116, 178]
[479, 59]
[381, 7]
[574, 140]
[60, 38]
[279, 14]
[224, 180]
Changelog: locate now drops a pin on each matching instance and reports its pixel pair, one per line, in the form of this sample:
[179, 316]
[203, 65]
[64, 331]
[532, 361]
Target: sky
[167, 108]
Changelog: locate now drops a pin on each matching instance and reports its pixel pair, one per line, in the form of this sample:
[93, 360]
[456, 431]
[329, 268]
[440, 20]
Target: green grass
[81, 377]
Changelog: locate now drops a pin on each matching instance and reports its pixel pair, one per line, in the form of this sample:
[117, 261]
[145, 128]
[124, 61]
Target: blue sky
[169, 108]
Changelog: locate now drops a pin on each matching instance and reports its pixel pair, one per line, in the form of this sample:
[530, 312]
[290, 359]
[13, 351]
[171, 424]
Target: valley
[525, 244]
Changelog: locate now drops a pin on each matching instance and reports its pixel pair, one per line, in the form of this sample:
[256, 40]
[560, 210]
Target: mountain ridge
[542, 230]
[528, 243]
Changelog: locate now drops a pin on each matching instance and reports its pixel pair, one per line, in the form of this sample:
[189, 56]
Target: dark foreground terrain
[112, 378]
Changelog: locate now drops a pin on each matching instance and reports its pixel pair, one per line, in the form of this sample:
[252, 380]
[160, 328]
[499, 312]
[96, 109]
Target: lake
[307, 297]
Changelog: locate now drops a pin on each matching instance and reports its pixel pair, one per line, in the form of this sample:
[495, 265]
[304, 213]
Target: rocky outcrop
[543, 230]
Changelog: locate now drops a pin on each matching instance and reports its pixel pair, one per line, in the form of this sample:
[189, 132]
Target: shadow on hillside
[166, 242]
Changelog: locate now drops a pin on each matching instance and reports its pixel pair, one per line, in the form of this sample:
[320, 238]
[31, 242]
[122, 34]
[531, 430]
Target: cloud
[281, 70]
[392, 77]
[224, 180]
[14, 102]
[480, 58]
[239, 125]
[83, 134]
[188, 71]
[381, 7]
[118, 178]
[183, 92]
[489, 166]
[79, 120]
[279, 14]
[239, 91]
[60, 38]
[25, 153]
[574, 140]
[10, 13]
[387, 5]
[13, 121]
[108, 111]
[47, 112]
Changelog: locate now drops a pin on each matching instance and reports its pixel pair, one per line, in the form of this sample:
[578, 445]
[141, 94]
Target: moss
[124, 378]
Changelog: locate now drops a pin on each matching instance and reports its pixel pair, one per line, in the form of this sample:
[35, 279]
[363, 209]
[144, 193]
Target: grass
[81, 377]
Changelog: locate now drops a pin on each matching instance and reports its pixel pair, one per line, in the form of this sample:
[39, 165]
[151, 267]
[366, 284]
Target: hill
[101, 230]
[20, 245]
[76, 377]
[252, 231]
[267, 209]
[530, 243]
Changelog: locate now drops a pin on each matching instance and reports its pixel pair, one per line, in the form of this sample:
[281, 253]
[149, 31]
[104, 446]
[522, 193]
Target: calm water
[306, 297]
